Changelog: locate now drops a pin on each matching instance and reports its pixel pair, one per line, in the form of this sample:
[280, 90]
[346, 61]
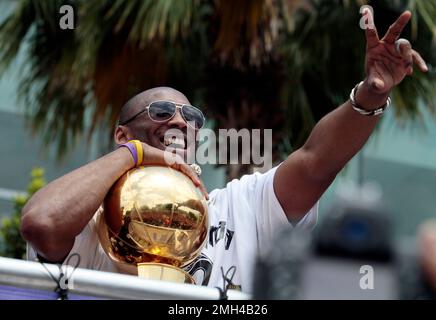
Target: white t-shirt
[243, 218]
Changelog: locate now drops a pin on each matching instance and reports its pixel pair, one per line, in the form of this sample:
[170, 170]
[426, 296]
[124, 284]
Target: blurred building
[401, 160]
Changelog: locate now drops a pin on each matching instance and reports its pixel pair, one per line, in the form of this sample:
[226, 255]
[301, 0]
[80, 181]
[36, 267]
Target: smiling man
[59, 219]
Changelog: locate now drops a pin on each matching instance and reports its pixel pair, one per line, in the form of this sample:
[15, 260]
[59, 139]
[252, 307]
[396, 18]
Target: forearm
[308, 172]
[59, 211]
[341, 134]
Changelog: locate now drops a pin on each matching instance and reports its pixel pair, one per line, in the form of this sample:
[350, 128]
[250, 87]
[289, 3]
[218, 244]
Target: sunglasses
[162, 111]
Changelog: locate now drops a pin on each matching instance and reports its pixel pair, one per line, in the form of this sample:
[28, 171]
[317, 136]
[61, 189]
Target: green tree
[13, 245]
[278, 64]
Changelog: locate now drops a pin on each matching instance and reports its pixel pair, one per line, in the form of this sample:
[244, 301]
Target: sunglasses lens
[161, 110]
[192, 114]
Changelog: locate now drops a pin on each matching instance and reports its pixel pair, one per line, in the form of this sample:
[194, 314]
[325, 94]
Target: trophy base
[165, 272]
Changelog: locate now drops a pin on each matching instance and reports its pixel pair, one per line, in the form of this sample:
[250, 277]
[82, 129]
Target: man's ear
[122, 135]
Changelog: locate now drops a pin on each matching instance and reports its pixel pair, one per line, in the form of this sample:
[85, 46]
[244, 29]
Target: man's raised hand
[390, 59]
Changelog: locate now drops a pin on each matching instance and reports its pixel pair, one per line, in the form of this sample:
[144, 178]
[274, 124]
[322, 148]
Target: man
[427, 251]
[60, 218]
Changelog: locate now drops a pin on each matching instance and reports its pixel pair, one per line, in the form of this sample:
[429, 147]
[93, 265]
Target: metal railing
[98, 284]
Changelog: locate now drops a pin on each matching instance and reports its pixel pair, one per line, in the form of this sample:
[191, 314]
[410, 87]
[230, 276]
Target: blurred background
[280, 64]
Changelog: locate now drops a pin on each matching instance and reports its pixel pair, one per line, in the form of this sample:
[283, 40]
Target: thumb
[375, 80]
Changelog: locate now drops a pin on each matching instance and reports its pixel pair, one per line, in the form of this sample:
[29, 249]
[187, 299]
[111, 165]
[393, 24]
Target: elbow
[27, 225]
[34, 229]
[38, 232]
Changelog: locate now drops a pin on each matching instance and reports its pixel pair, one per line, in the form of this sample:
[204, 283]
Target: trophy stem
[165, 272]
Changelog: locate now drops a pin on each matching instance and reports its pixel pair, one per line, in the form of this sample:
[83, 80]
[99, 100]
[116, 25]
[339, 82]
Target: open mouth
[174, 142]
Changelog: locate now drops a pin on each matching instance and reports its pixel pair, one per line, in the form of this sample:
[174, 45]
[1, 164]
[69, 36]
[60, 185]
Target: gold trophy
[154, 222]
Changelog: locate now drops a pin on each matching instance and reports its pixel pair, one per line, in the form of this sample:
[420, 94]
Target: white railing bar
[29, 274]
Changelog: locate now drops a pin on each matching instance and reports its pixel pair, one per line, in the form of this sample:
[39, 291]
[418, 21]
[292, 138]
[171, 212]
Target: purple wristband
[132, 148]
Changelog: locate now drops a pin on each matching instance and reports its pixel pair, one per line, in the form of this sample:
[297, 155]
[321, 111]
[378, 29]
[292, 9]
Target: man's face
[153, 133]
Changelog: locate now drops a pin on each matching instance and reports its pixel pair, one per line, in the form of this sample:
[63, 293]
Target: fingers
[187, 170]
[204, 191]
[370, 29]
[419, 61]
[371, 38]
[156, 156]
[410, 56]
[404, 48]
[397, 27]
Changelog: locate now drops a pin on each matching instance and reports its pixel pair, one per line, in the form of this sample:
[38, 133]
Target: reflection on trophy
[154, 222]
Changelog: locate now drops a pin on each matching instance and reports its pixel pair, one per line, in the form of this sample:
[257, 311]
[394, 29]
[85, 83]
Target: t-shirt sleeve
[270, 216]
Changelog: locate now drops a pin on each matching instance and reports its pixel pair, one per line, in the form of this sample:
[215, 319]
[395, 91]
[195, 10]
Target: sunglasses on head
[162, 111]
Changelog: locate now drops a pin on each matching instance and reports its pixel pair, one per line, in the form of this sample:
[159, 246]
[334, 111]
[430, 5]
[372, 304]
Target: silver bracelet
[363, 111]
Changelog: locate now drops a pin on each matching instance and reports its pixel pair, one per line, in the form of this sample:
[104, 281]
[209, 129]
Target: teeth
[175, 142]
